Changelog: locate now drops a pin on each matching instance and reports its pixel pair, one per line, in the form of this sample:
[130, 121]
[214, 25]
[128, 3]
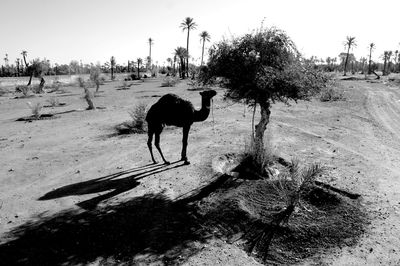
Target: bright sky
[95, 30]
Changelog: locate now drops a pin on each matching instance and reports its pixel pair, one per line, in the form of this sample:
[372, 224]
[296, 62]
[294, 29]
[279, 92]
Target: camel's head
[208, 94]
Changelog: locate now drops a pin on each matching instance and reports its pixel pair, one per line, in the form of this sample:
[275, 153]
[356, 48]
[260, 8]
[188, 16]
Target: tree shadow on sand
[146, 229]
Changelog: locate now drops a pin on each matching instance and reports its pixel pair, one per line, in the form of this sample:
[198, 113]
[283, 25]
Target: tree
[261, 68]
[182, 54]
[188, 24]
[112, 63]
[37, 69]
[74, 67]
[151, 42]
[371, 47]
[204, 37]
[349, 43]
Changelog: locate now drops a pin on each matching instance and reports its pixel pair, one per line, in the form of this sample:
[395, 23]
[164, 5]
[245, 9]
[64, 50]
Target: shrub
[56, 85]
[23, 89]
[138, 115]
[169, 82]
[332, 92]
[138, 124]
[36, 109]
[95, 76]
[81, 82]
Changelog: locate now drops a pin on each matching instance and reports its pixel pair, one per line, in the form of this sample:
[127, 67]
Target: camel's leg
[149, 141]
[184, 144]
[157, 144]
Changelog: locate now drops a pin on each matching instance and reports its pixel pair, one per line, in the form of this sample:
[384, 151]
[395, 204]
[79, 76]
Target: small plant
[36, 109]
[53, 101]
[291, 185]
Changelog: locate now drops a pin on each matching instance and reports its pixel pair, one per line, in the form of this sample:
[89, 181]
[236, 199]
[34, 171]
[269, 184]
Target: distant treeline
[73, 68]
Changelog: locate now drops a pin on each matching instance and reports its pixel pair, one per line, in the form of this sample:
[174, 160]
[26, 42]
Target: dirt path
[357, 139]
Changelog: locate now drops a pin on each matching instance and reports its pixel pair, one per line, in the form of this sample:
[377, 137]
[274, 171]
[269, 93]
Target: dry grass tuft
[257, 161]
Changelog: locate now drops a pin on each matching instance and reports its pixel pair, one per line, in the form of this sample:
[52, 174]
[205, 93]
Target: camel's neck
[203, 113]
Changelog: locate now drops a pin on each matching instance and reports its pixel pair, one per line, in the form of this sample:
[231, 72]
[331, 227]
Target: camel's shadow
[117, 183]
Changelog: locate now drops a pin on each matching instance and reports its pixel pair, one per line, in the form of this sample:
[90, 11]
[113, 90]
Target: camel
[170, 109]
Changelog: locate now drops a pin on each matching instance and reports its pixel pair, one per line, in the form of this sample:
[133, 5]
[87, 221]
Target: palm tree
[139, 62]
[151, 42]
[24, 54]
[170, 61]
[112, 63]
[205, 36]
[386, 60]
[350, 43]
[6, 60]
[371, 47]
[181, 53]
[17, 64]
[188, 24]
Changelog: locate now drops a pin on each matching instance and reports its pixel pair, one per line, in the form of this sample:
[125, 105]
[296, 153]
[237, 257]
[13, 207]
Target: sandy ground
[357, 139]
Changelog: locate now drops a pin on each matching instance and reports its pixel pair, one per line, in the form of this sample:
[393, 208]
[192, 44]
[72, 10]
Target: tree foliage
[263, 66]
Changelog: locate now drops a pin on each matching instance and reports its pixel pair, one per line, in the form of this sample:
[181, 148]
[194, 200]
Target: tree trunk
[88, 98]
[384, 68]
[262, 126]
[187, 58]
[41, 85]
[345, 62]
[202, 53]
[138, 71]
[30, 79]
[112, 73]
